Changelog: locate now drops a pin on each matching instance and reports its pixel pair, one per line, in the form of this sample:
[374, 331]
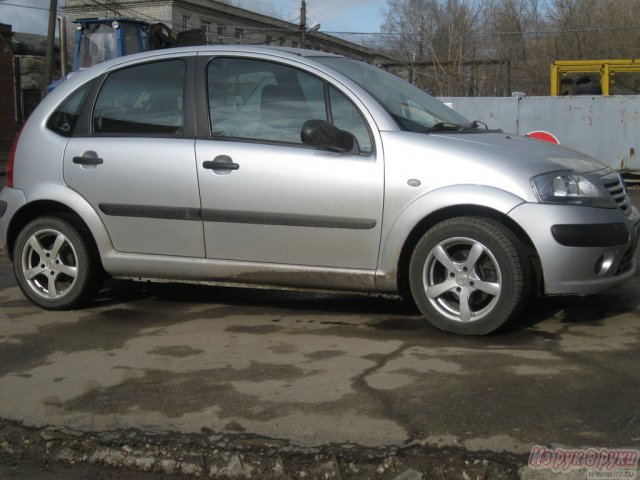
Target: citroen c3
[300, 169]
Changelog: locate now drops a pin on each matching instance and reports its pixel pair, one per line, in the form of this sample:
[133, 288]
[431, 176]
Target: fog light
[604, 263]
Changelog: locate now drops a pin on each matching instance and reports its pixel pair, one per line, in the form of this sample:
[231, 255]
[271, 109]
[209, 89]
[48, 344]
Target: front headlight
[570, 188]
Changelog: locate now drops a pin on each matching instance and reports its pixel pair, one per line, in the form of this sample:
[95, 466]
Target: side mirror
[319, 133]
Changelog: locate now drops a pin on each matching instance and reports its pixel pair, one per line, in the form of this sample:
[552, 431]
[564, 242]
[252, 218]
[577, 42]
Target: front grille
[615, 186]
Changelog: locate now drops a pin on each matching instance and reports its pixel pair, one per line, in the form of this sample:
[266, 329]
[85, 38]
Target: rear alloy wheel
[53, 265]
[469, 275]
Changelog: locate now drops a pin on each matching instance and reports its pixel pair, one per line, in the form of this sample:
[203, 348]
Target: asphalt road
[310, 370]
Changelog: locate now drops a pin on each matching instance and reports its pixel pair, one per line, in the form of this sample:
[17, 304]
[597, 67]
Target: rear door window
[142, 100]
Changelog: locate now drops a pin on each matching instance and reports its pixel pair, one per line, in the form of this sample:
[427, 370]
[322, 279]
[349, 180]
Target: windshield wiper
[476, 124]
[441, 127]
[452, 127]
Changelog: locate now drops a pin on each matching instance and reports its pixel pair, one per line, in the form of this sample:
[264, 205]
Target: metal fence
[607, 128]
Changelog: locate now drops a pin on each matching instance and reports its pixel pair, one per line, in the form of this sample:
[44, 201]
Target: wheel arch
[49, 208]
[435, 207]
[464, 211]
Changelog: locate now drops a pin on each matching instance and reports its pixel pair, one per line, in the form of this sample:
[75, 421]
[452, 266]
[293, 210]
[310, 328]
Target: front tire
[54, 265]
[469, 275]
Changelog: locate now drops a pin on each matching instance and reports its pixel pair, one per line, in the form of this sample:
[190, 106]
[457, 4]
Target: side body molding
[458, 197]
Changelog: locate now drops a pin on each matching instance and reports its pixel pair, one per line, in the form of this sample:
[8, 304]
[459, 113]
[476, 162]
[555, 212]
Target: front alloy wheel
[469, 275]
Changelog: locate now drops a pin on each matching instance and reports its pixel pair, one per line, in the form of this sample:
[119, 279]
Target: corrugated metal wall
[607, 128]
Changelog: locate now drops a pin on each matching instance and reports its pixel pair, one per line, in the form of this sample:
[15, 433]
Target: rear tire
[469, 275]
[54, 265]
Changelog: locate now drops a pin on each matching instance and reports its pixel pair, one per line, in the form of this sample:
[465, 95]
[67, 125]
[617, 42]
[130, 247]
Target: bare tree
[511, 31]
[492, 47]
[435, 33]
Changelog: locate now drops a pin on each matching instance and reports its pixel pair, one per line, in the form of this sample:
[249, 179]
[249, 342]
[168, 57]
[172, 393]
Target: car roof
[282, 52]
[307, 57]
[285, 51]
[298, 51]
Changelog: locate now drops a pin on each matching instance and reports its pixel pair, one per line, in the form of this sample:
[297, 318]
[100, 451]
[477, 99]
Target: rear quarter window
[63, 120]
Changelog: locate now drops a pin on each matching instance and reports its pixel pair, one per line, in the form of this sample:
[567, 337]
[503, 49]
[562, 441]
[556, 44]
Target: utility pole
[62, 31]
[303, 24]
[51, 39]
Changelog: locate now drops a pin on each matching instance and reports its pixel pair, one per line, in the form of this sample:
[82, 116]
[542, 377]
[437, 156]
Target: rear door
[136, 163]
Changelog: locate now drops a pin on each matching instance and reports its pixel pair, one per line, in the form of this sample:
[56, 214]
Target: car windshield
[413, 109]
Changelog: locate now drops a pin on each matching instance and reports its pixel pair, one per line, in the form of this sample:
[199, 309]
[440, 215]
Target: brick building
[222, 24]
[8, 118]
[22, 64]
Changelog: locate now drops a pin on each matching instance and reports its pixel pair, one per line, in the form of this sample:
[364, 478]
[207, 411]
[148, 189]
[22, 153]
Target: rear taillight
[12, 158]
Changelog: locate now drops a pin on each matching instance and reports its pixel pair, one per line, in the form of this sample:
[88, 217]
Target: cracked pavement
[318, 369]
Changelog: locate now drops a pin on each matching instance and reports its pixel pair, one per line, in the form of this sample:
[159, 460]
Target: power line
[24, 6]
[372, 36]
[481, 34]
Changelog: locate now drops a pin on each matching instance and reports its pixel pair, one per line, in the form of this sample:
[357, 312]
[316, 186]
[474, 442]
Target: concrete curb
[211, 455]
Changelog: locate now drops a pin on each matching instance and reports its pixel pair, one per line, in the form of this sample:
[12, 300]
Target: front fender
[430, 203]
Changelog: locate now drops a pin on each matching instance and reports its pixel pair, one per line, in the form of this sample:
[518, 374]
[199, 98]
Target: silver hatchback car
[299, 169]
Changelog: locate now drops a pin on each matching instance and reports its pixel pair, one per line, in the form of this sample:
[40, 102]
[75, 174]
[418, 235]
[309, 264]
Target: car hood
[534, 155]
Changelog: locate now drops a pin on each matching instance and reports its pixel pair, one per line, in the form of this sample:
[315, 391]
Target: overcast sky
[333, 15]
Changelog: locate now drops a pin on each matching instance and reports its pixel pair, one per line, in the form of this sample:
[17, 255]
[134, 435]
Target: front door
[266, 197]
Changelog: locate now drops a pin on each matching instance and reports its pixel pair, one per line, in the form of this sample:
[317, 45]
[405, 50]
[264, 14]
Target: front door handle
[221, 162]
[88, 158]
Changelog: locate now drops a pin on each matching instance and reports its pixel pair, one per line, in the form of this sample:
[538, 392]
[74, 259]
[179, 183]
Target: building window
[269, 40]
[282, 42]
[206, 28]
[186, 20]
[294, 44]
[239, 35]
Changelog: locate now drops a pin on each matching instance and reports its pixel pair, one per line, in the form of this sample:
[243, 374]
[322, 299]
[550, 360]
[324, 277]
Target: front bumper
[576, 253]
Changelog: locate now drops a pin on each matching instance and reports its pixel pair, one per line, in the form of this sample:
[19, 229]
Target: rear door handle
[88, 158]
[221, 162]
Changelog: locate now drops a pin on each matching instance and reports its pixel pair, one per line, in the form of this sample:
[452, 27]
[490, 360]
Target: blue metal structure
[97, 40]
[101, 39]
